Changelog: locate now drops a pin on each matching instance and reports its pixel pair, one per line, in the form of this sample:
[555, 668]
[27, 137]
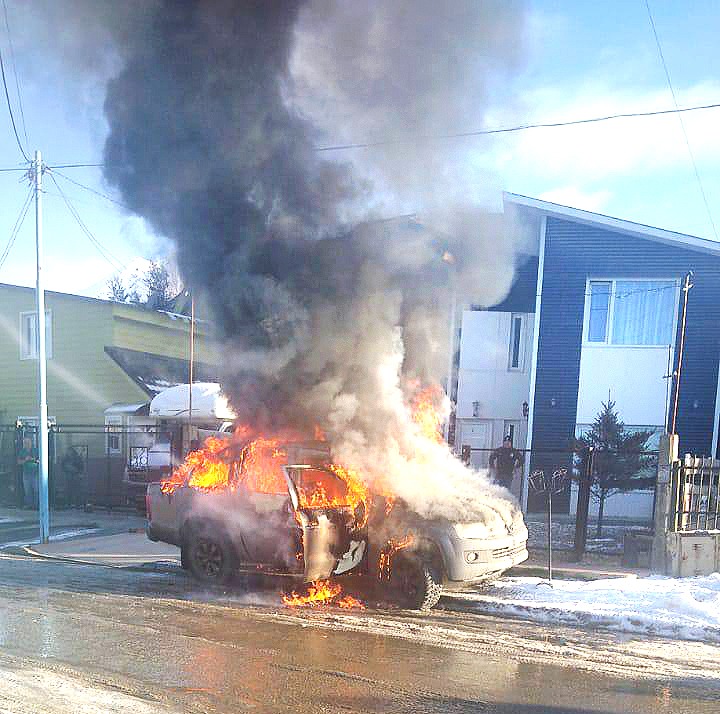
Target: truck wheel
[416, 583]
[209, 556]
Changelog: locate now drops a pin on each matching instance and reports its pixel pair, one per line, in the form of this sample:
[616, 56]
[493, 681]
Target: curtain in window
[644, 312]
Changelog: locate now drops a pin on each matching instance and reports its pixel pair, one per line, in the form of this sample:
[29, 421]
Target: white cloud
[611, 149]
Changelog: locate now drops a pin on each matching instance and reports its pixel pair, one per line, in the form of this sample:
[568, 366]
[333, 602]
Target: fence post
[664, 502]
[583, 504]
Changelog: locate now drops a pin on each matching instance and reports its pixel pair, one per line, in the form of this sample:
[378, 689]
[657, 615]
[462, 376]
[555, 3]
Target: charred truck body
[287, 512]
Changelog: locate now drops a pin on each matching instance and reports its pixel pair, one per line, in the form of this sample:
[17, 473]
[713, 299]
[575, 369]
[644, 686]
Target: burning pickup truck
[283, 509]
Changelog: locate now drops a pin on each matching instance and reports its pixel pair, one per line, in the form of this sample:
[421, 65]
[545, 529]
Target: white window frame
[113, 427]
[31, 353]
[521, 346]
[608, 344]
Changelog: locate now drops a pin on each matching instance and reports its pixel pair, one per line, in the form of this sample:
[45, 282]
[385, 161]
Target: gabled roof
[639, 230]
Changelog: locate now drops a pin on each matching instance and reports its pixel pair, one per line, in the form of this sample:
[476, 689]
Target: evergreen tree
[620, 463]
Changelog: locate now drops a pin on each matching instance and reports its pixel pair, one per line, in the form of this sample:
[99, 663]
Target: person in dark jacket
[504, 460]
[27, 459]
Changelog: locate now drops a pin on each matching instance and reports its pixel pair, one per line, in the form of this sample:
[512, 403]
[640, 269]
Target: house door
[477, 434]
[516, 431]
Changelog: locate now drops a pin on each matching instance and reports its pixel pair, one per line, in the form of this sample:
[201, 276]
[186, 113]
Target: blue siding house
[594, 315]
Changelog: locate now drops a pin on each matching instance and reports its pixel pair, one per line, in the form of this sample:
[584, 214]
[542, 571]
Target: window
[113, 431]
[631, 312]
[599, 311]
[515, 355]
[29, 336]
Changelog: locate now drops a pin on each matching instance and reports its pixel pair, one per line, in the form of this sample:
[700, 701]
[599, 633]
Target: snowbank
[683, 608]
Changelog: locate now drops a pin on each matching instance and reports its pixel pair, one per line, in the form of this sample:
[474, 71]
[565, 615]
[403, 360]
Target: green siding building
[101, 355]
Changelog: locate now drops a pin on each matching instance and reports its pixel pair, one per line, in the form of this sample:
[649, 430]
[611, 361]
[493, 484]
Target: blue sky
[583, 59]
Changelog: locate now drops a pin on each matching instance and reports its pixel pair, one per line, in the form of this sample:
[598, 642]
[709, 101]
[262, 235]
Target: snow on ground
[38, 690]
[682, 608]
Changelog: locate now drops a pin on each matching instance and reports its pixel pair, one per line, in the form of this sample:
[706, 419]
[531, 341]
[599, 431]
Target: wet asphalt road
[77, 638]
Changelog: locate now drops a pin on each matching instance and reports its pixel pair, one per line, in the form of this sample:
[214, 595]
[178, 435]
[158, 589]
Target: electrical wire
[679, 116]
[16, 228]
[480, 132]
[91, 190]
[10, 111]
[14, 66]
[521, 127]
[76, 166]
[116, 264]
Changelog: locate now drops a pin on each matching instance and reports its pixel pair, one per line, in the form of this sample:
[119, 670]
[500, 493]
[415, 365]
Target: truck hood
[493, 522]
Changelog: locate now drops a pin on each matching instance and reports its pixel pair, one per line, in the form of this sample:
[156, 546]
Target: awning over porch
[154, 373]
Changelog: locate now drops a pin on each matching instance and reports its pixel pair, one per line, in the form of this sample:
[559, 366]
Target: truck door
[332, 542]
[264, 511]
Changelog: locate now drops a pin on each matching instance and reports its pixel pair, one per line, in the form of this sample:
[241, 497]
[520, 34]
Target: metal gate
[695, 488]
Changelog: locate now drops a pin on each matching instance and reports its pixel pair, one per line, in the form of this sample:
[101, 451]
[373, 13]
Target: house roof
[640, 230]
[154, 373]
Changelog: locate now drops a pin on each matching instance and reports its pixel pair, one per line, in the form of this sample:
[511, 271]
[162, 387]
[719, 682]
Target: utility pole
[42, 436]
[686, 289]
[449, 259]
[192, 361]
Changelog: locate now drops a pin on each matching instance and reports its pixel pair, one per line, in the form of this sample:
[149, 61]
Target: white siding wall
[631, 376]
[484, 377]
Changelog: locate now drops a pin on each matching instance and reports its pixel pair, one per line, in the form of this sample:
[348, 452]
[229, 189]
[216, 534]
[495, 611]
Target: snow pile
[684, 608]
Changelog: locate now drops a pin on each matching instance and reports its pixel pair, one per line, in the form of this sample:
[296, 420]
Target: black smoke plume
[329, 314]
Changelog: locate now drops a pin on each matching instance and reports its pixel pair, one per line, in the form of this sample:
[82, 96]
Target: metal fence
[637, 471]
[696, 493]
[582, 482]
[104, 465]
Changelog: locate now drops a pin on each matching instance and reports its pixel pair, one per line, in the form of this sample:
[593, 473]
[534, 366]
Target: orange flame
[388, 553]
[262, 461]
[210, 468]
[317, 490]
[426, 413]
[203, 469]
[322, 592]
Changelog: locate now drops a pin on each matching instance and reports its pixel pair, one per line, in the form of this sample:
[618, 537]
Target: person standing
[73, 465]
[504, 460]
[28, 461]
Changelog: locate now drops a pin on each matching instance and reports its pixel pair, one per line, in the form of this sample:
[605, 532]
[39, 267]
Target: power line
[679, 116]
[76, 166]
[16, 228]
[14, 66]
[465, 134]
[91, 190]
[9, 106]
[520, 127]
[116, 264]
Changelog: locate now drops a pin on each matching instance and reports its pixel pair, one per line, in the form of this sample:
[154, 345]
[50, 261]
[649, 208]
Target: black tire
[415, 583]
[209, 555]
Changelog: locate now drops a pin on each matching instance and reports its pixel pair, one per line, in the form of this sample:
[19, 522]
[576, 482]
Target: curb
[154, 566]
[533, 571]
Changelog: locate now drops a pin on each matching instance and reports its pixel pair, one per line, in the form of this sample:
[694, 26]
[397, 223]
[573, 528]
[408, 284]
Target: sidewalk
[75, 517]
[594, 566]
